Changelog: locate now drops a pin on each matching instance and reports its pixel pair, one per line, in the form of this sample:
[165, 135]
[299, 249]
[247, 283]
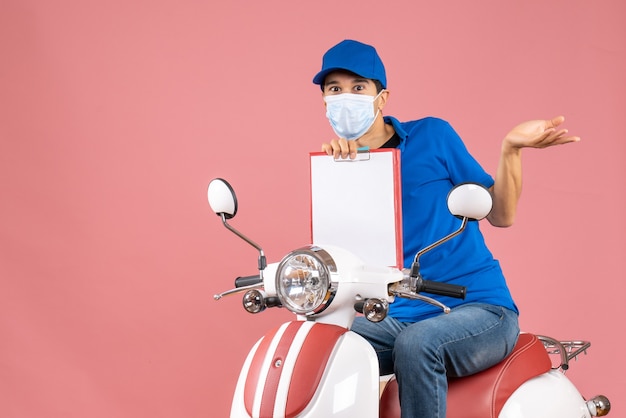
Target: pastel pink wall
[114, 115]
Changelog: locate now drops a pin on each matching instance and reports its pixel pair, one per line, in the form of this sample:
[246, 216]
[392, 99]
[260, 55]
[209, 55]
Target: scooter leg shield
[307, 369]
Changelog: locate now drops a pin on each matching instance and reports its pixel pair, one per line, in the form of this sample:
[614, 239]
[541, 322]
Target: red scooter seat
[483, 394]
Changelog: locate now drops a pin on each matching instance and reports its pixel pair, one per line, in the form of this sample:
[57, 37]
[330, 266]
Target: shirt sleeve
[461, 165]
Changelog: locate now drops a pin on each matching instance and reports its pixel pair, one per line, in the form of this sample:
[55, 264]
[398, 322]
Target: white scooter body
[315, 367]
[548, 395]
[312, 368]
[349, 384]
[285, 361]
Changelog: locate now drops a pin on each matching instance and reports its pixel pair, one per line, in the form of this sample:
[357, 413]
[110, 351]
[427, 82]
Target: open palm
[539, 134]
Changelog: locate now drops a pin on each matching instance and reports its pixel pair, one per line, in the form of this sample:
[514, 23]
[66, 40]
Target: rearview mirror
[222, 198]
[470, 200]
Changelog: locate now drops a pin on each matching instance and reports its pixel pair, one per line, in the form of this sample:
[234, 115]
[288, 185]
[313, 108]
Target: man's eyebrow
[353, 81]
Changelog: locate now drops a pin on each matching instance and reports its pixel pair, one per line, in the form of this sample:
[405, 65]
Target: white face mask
[351, 115]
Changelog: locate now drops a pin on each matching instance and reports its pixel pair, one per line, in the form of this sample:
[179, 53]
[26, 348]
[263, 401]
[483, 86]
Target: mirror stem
[415, 267]
[262, 263]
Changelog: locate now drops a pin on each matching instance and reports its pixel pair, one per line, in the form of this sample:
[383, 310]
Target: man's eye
[359, 88]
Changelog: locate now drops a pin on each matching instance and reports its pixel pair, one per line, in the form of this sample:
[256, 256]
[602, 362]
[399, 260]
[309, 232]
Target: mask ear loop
[378, 110]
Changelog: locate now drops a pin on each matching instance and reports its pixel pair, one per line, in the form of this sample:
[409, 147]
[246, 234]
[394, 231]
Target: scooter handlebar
[443, 289]
[244, 281]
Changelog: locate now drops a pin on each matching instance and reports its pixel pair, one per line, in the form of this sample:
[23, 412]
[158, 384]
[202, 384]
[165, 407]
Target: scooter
[316, 367]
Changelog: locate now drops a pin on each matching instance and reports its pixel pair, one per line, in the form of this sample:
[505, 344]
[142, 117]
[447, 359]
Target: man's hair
[379, 86]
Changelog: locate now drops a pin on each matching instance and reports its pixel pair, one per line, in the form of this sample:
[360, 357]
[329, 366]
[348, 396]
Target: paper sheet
[356, 205]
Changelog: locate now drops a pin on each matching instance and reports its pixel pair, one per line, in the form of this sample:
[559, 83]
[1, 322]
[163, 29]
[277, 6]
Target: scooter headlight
[303, 280]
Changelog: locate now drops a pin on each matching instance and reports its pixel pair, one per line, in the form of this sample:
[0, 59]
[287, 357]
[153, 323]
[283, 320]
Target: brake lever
[237, 290]
[402, 289]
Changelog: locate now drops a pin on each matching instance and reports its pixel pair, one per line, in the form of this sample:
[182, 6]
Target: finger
[554, 122]
[556, 135]
[344, 147]
[353, 149]
[549, 138]
[336, 148]
[564, 139]
[558, 138]
[327, 148]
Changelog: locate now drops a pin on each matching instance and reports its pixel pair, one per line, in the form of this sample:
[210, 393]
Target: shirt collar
[398, 128]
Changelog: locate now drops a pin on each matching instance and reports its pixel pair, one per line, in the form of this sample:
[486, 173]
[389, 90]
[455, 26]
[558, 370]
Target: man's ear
[382, 100]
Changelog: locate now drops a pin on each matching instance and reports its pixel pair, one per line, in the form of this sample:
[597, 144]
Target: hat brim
[321, 76]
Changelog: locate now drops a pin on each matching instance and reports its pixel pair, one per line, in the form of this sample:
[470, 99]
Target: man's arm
[507, 188]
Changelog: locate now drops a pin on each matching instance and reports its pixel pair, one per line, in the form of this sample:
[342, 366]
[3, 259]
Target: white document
[357, 205]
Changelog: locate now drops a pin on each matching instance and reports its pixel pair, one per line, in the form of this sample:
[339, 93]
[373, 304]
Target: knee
[417, 354]
[411, 345]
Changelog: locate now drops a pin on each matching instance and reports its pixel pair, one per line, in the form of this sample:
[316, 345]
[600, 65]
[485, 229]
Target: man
[416, 341]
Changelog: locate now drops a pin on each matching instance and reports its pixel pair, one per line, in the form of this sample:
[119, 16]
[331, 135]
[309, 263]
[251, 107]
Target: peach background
[114, 116]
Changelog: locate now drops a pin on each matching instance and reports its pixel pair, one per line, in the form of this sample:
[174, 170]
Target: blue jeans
[423, 354]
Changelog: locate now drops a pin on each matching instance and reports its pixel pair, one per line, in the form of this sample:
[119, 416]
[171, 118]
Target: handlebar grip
[443, 289]
[358, 306]
[248, 281]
